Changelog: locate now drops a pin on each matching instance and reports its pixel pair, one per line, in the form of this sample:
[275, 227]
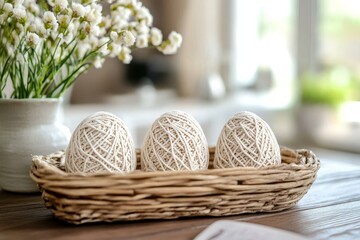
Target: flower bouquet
[46, 45]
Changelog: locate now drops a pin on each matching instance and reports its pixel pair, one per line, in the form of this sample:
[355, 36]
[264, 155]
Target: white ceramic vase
[28, 127]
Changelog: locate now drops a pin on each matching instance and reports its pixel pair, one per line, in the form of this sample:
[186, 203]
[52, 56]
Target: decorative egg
[100, 143]
[246, 140]
[175, 142]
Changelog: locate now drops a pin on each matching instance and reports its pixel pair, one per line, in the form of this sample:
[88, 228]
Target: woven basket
[78, 199]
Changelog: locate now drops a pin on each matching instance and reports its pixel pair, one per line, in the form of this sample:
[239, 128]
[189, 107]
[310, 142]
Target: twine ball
[246, 140]
[175, 142]
[100, 143]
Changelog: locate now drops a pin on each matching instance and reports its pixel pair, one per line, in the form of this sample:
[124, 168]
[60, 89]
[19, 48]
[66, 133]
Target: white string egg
[175, 142]
[100, 143]
[246, 140]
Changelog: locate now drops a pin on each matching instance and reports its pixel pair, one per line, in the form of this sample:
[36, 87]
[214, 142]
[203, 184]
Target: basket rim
[39, 162]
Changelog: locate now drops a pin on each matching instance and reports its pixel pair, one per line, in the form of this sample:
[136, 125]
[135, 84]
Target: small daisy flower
[168, 49]
[20, 14]
[60, 5]
[98, 63]
[125, 55]
[32, 39]
[144, 14]
[49, 20]
[8, 8]
[78, 10]
[175, 39]
[156, 36]
[127, 38]
[113, 35]
[142, 41]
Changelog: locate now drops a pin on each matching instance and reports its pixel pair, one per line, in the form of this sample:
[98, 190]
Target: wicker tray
[80, 199]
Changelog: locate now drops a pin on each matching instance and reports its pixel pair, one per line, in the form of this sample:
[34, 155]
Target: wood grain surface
[330, 210]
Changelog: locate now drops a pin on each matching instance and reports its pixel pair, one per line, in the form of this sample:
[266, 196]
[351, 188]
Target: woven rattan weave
[78, 199]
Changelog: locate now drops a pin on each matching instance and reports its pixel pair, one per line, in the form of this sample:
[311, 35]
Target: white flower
[91, 17]
[125, 55]
[78, 10]
[121, 13]
[18, 2]
[94, 15]
[85, 29]
[105, 22]
[99, 62]
[127, 38]
[142, 27]
[120, 24]
[32, 39]
[64, 20]
[114, 36]
[41, 30]
[127, 58]
[60, 5]
[175, 39]
[124, 2]
[51, 3]
[20, 14]
[144, 14]
[49, 20]
[30, 17]
[31, 28]
[168, 49]
[136, 4]
[96, 7]
[114, 49]
[142, 41]
[95, 30]
[89, 30]
[34, 9]
[8, 8]
[156, 36]
[172, 44]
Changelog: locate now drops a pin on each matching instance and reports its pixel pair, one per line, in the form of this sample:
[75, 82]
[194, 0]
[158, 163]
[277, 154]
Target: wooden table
[330, 210]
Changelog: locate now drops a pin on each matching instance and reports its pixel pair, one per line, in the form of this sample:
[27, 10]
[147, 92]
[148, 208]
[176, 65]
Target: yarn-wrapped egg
[246, 140]
[175, 142]
[100, 143]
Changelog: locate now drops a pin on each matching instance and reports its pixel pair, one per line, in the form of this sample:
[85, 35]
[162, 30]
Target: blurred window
[316, 43]
[263, 59]
[339, 34]
[339, 48]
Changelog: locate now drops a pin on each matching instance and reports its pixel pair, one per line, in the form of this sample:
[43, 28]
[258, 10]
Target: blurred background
[294, 63]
